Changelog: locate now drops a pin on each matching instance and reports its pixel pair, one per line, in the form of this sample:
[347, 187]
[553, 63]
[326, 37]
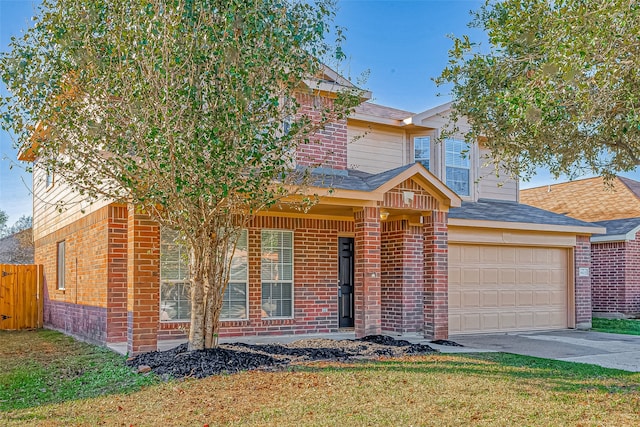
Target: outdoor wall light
[384, 215]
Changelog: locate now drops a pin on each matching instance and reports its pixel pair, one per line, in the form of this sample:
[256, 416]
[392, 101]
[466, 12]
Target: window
[61, 265]
[277, 273]
[175, 299]
[234, 301]
[457, 166]
[422, 150]
[175, 302]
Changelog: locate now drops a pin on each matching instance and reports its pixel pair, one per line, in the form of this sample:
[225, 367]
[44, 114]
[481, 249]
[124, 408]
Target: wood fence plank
[21, 296]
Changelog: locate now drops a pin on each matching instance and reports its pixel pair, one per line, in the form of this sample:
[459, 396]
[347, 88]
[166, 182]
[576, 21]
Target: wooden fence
[21, 297]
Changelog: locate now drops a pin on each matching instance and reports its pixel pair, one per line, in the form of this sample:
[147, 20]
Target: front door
[345, 291]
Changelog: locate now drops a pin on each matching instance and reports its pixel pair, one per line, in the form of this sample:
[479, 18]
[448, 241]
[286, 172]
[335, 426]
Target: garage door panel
[505, 288]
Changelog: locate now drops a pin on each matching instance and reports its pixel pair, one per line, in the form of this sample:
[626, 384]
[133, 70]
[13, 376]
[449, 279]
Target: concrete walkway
[597, 348]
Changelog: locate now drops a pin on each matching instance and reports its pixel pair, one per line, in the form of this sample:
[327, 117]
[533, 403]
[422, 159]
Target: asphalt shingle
[618, 226]
[500, 210]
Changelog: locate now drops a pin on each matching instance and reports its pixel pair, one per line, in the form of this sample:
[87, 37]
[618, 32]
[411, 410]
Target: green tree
[556, 87]
[176, 106]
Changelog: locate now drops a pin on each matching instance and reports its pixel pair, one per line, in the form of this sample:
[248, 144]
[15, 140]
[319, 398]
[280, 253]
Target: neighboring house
[409, 236]
[615, 255]
[17, 248]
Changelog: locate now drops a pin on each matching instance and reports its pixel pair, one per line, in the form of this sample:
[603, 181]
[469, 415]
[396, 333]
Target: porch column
[436, 276]
[368, 318]
[143, 282]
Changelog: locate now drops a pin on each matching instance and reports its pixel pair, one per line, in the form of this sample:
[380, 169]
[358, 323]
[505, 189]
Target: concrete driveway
[597, 348]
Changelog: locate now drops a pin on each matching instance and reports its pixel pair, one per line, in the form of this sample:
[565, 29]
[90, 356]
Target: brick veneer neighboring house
[409, 236]
[615, 255]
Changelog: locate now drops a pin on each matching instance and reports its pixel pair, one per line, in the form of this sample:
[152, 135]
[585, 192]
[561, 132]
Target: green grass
[616, 326]
[43, 366]
[47, 378]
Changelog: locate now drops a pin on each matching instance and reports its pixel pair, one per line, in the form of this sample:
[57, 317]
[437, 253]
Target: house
[615, 255]
[410, 236]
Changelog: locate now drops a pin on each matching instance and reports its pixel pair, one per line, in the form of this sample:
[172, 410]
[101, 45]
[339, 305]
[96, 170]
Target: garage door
[506, 288]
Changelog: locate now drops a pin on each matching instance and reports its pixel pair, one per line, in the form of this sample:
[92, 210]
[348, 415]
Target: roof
[371, 109]
[618, 230]
[508, 211]
[588, 199]
[350, 180]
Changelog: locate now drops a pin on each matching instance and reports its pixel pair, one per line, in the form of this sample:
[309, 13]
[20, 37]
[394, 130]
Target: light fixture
[384, 215]
[407, 197]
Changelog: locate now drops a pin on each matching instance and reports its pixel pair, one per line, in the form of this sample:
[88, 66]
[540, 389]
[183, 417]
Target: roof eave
[529, 226]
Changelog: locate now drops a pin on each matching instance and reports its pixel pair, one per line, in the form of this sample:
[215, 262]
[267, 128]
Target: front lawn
[616, 326]
[41, 367]
[484, 389]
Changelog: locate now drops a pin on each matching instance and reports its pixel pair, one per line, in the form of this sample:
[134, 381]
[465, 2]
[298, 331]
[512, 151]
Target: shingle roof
[382, 111]
[354, 180]
[588, 199]
[618, 226]
[507, 211]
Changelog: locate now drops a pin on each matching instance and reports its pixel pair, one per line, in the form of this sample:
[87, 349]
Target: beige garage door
[506, 288]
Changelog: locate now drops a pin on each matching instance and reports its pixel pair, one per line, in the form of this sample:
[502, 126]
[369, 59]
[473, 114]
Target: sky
[399, 44]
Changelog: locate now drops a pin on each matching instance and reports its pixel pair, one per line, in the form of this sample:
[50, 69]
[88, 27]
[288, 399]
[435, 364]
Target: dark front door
[345, 291]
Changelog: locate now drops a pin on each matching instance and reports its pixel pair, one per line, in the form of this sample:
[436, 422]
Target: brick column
[582, 256]
[117, 274]
[436, 276]
[368, 318]
[143, 282]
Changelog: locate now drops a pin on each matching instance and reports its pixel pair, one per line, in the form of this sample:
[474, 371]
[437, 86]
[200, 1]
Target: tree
[557, 87]
[3, 222]
[177, 107]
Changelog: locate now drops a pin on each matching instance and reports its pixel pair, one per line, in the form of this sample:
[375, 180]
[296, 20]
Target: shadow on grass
[555, 375]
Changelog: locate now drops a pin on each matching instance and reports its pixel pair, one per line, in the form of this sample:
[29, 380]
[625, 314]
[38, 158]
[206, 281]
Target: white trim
[293, 274]
[631, 235]
[460, 222]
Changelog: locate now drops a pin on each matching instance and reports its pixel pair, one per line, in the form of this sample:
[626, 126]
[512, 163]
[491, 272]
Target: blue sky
[401, 43]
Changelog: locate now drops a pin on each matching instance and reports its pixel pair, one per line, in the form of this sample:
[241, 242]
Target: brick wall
[616, 277]
[81, 308]
[436, 276]
[608, 275]
[402, 277]
[315, 281]
[582, 257]
[143, 282]
[327, 147]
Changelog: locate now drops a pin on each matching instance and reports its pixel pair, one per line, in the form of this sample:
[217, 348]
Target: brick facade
[93, 277]
[436, 274]
[368, 314]
[616, 278]
[327, 148]
[582, 259]
[402, 277]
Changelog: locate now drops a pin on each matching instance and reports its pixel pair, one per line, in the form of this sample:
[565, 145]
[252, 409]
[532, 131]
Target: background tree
[175, 106]
[3, 222]
[557, 86]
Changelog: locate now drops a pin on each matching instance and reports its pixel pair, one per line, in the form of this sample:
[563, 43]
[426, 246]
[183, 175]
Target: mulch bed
[236, 357]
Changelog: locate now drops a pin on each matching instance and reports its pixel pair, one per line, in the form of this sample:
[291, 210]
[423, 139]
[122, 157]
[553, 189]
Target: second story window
[422, 150]
[457, 166]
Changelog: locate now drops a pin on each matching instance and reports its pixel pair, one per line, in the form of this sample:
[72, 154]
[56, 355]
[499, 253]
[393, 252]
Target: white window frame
[291, 281]
[431, 151]
[184, 280]
[467, 158]
[61, 265]
[243, 233]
